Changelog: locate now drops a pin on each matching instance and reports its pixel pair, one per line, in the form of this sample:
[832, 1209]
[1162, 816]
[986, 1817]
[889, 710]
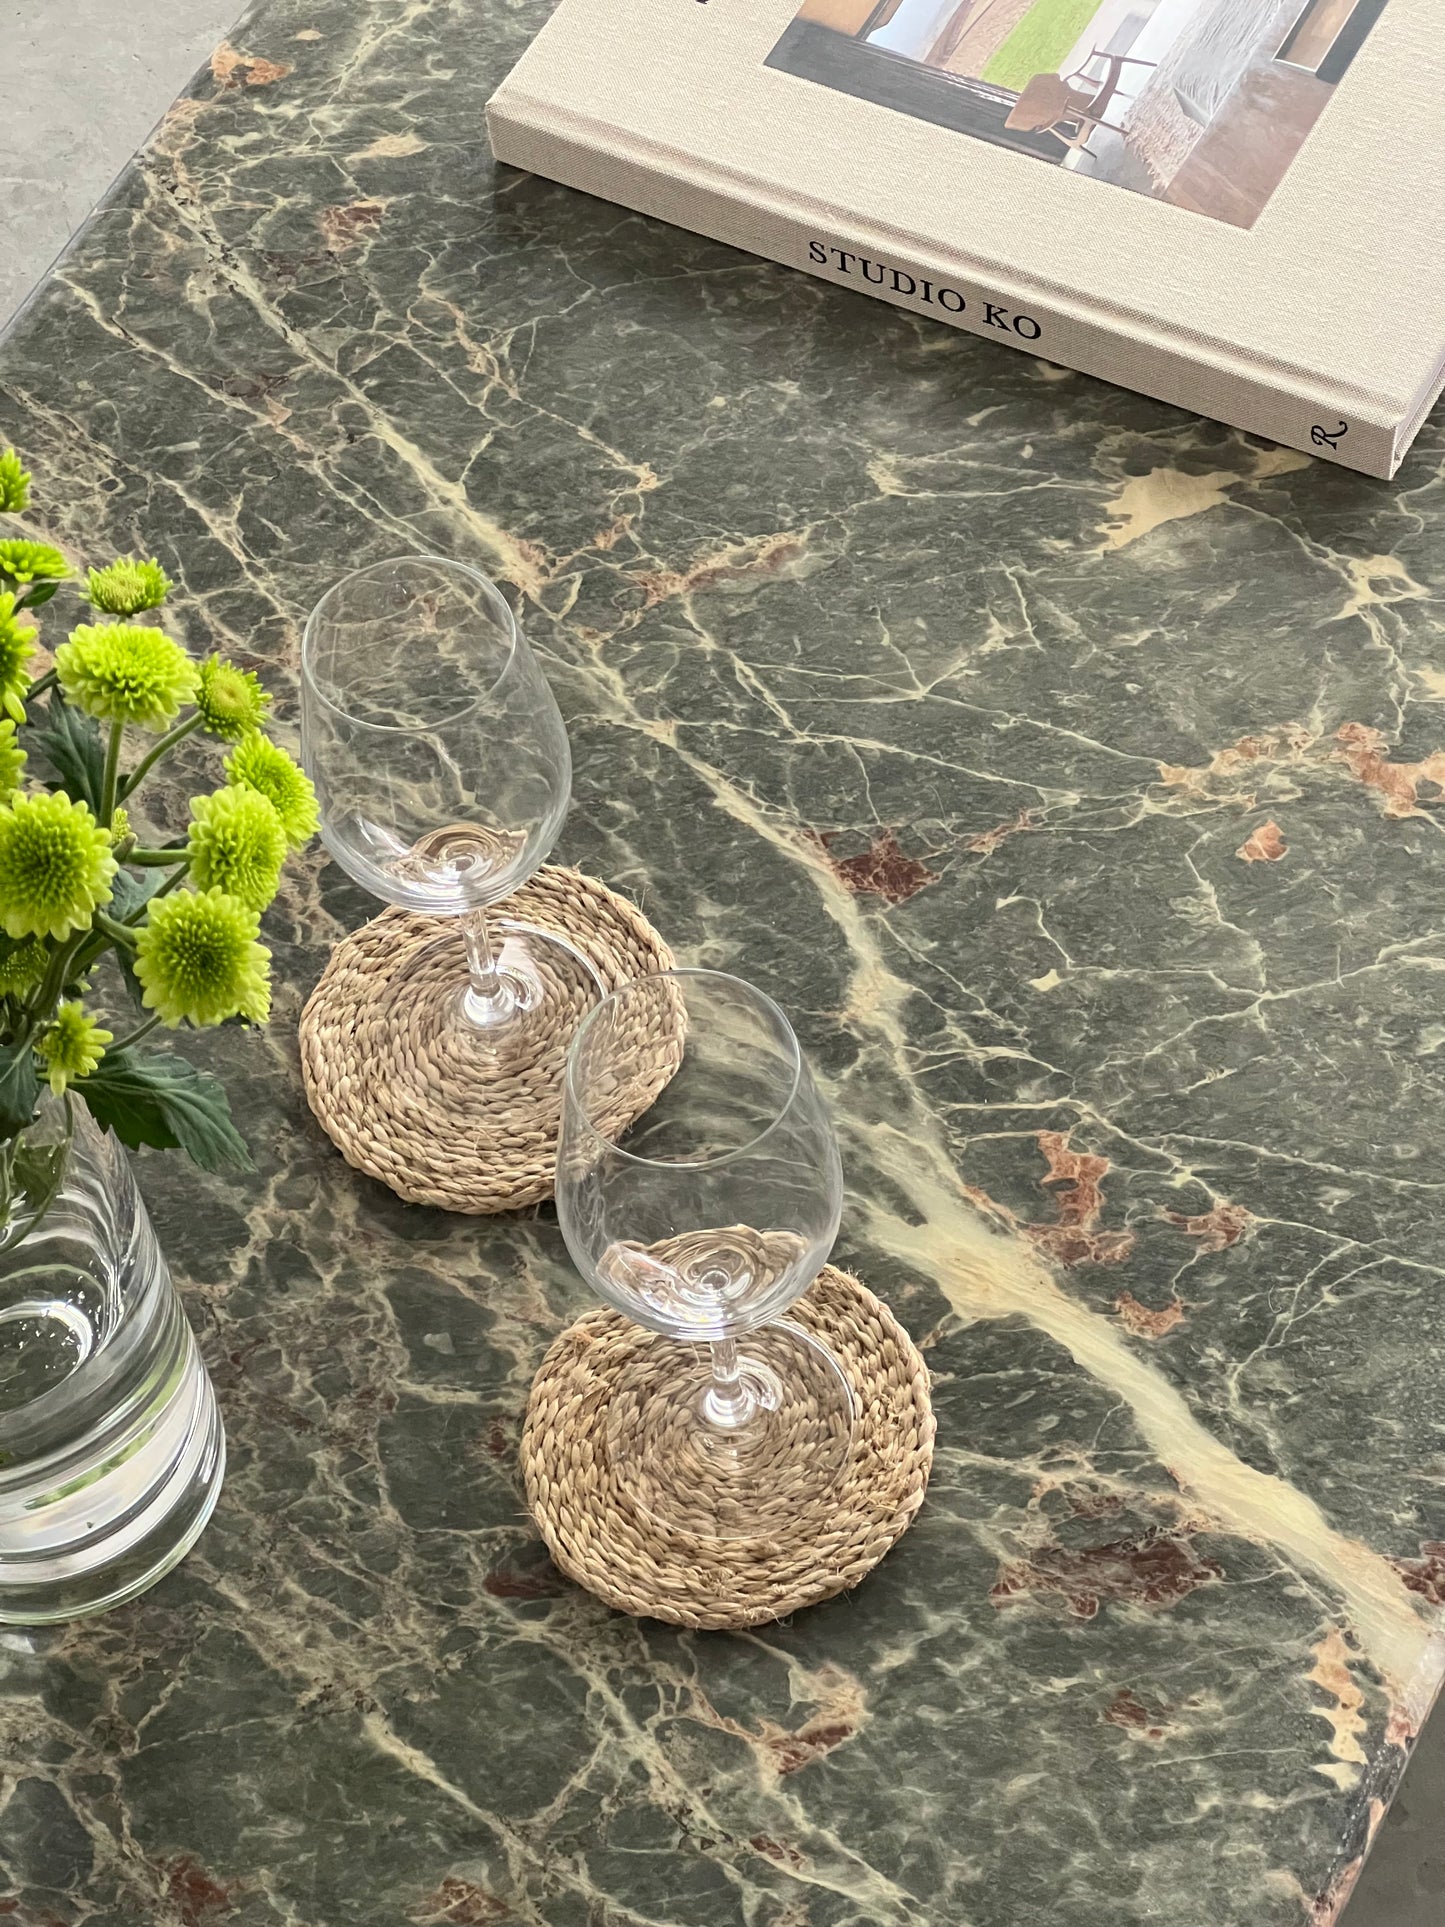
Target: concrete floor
[1403, 1884]
[85, 82]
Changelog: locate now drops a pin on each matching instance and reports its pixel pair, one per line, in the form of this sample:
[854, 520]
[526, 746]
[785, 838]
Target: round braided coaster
[657, 1571]
[408, 1104]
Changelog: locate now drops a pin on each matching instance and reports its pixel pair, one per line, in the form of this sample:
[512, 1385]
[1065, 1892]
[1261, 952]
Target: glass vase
[111, 1447]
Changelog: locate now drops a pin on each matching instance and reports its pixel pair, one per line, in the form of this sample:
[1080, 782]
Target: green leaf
[158, 1098]
[39, 1168]
[128, 893]
[29, 1178]
[70, 743]
[42, 592]
[19, 1087]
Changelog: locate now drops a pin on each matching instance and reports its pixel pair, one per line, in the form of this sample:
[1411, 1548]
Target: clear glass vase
[111, 1447]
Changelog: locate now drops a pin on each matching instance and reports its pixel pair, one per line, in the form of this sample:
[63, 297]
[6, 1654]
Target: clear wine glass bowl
[704, 1220]
[424, 712]
[443, 775]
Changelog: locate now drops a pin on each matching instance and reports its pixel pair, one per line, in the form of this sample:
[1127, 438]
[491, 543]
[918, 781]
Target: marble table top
[1072, 771]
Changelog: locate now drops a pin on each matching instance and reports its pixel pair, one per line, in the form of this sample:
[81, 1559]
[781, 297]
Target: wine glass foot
[763, 1461]
[543, 988]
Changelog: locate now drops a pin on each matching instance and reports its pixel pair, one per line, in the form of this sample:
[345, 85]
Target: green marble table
[1071, 770]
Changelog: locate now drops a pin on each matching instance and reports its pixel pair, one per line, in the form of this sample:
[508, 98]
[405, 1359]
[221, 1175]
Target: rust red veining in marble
[735, 565]
[778, 1851]
[1286, 744]
[350, 224]
[1224, 1224]
[1076, 1239]
[1425, 1575]
[1229, 775]
[1145, 1323]
[783, 1750]
[884, 869]
[1153, 1568]
[542, 1582]
[231, 68]
[460, 1903]
[1326, 1909]
[1364, 752]
[987, 841]
[1128, 1711]
[793, 1751]
[192, 1891]
[1264, 845]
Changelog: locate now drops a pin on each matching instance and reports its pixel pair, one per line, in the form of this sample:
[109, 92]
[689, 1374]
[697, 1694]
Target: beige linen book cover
[1234, 205]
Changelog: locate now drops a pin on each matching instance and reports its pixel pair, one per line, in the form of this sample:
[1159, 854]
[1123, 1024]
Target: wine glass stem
[488, 1000]
[728, 1402]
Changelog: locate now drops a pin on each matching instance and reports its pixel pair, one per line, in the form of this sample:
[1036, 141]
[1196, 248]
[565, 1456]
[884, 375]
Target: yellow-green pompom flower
[128, 586]
[122, 674]
[22, 965]
[258, 764]
[17, 646]
[236, 844]
[12, 761]
[198, 961]
[55, 866]
[231, 700]
[32, 562]
[14, 484]
[72, 1047]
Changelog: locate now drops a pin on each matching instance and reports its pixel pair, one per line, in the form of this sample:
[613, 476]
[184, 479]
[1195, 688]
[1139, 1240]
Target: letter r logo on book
[1148, 204]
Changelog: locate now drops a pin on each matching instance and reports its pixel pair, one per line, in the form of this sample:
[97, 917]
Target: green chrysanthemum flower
[55, 866]
[17, 646]
[231, 700]
[128, 586]
[236, 844]
[125, 675]
[14, 484]
[22, 965]
[120, 826]
[32, 562]
[72, 1047]
[197, 960]
[259, 764]
[12, 761]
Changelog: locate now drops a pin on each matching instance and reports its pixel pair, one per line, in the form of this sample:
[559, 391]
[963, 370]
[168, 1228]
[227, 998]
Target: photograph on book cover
[1200, 103]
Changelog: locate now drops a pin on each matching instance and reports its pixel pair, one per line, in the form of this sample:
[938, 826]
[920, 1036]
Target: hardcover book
[1234, 205]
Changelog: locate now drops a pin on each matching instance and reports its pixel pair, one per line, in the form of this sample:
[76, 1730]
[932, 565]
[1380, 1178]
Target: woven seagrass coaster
[412, 1107]
[654, 1570]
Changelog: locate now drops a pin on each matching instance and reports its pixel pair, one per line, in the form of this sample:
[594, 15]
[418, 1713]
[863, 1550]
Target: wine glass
[703, 1220]
[443, 773]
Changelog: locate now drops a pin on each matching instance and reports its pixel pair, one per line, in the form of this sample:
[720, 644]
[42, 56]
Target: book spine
[527, 134]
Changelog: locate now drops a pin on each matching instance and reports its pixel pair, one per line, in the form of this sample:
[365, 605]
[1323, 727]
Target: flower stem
[112, 772]
[14, 1232]
[133, 1036]
[52, 983]
[120, 932]
[167, 742]
[156, 859]
[40, 685]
